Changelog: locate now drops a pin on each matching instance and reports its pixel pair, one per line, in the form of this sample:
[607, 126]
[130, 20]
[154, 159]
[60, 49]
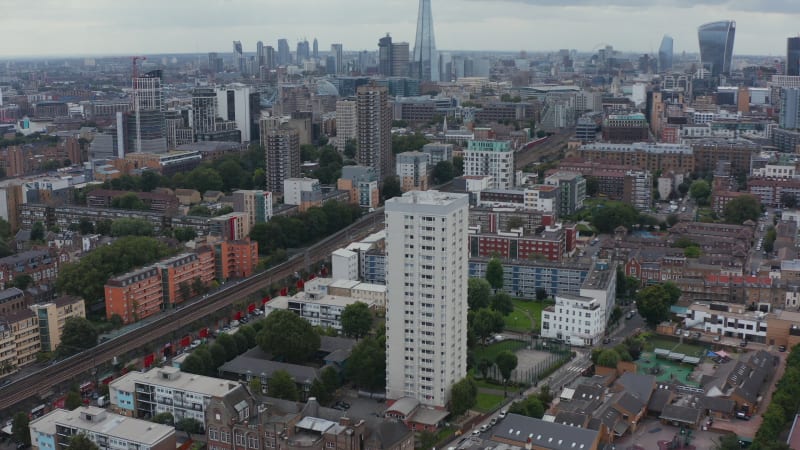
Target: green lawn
[488, 402]
[673, 346]
[518, 321]
[527, 315]
[491, 351]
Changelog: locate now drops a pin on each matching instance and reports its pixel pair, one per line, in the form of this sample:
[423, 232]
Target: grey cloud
[765, 6]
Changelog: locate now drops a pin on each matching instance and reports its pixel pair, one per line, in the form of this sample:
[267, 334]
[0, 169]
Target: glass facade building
[716, 46]
[426, 62]
[793, 56]
[665, 54]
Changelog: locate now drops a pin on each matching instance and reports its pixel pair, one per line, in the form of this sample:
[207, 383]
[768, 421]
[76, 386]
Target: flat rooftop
[173, 378]
[104, 423]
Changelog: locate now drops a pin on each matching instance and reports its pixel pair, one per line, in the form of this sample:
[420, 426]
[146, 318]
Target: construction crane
[134, 76]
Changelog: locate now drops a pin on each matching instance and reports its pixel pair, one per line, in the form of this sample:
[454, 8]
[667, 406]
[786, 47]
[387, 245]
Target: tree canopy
[742, 209]
[478, 292]
[131, 227]
[408, 142]
[485, 322]
[366, 367]
[610, 215]
[391, 188]
[281, 385]
[79, 334]
[443, 172]
[700, 191]
[654, 302]
[463, 396]
[19, 428]
[494, 273]
[81, 442]
[356, 320]
[288, 336]
[502, 303]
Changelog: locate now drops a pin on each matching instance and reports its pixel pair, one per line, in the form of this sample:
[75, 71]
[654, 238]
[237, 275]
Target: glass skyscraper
[665, 54]
[426, 63]
[793, 56]
[716, 46]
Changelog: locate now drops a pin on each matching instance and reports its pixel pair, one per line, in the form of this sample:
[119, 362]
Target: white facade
[724, 321]
[293, 188]
[776, 171]
[346, 120]
[493, 158]
[325, 311]
[535, 200]
[239, 112]
[426, 317]
[477, 183]
[344, 264]
[576, 320]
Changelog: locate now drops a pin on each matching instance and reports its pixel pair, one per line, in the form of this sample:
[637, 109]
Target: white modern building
[412, 169]
[293, 189]
[233, 103]
[344, 265]
[166, 389]
[728, 320]
[323, 311]
[107, 430]
[577, 320]
[493, 158]
[426, 277]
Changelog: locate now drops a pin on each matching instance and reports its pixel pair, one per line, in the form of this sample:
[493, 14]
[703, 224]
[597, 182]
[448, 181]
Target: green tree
[204, 354]
[541, 294]
[427, 440]
[241, 342]
[391, 187]
[255, 385]
[654, 303]
[350, 148]
[700, 191]
[281, 385]
[149, 181]
[193, 364]
[531, 407]
[592, 186]
[128, 201]
[742, 209]
[85, 226]
[483, 367]
[204, 179]
[506, 362]
[184, 234]
[232, 175]
[288, 336]
[22, 281]
[72, 400]
[494, 274]
[131, 227]
[463, 396]
[502, 303]
[79, 334]
[407, 143]
[458, 165]
[478, 292]
[610, 215]
[330, 379]
[692, 252]
[320, 392]
[608, 358]
[37, 231]
[485, 322]
[769, 239]
[164, 418]
[103, 227]
[19, 428]
[672, 219]
[227, 342]
[356, 320]
[443, 172]
[189, 426]
[81, 442]
[788, 200]
[366, 367]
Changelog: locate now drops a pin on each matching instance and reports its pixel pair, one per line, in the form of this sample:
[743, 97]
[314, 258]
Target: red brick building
[551, 243]
[235, 259]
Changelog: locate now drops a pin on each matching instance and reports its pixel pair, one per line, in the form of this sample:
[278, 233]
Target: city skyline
[479, 25]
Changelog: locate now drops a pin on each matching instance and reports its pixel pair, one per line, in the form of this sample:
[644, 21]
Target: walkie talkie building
[716, 46]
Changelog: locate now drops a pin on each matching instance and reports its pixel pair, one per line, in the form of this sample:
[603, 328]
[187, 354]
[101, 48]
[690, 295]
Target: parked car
[343, 404]
[742, 415]
[781, 348]
[743, 344]
[476, 432]
[484, 428]
[493, 422]
[717, 338]
[502, 414]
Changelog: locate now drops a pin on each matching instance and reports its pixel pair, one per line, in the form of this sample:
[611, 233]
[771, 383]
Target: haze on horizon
[102, 27]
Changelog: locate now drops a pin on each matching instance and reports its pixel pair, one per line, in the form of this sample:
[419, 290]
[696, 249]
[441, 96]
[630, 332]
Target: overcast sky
[98, 27]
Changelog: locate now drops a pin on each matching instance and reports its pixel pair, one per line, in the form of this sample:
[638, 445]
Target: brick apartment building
[180, 273]
[551, 243]
[235, 259]
[154, 201]
[134, 295]
[41, 265]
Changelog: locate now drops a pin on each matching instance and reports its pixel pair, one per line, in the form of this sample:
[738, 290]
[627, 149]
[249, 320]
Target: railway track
[40, 383]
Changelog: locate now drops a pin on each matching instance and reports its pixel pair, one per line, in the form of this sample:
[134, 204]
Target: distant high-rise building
[374, 123]
[346, 120]
[237, 103]
[385, 55]
[147, 131]
[425, 63]
[269, 57]
[426, 279]
[789, 116]
[238, 57]
[259, 54]
[303, 52]
[316, 49]
[337, 52]
[204, 110]
[665, 54]
[793, 56]
[716, 46]
[282, 153]
[284, 54]
[214, 63]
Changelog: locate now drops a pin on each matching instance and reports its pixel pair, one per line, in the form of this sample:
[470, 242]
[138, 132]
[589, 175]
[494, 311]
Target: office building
[558, 321]
[204, 110]
[492, 158]
[346, 123]
[438, 152]
[716, 46]
[790, 108]
[427, 270]
[374, 124]
[282, 151]
[793, 56]
[385, 55]
[215, 63]
[625, 128]
[393, 57]
[52, 316]
[284, 54]
[107, 430]
[361, 183]
[293, 189]
[303, 52]
[426, 61]
[239, 104]
[256, 203]
[315, 52]
[665, 54]
[338, 53]
[260, 57]
[412, 169]
[166, 389]
[146, 129]
[238, 58]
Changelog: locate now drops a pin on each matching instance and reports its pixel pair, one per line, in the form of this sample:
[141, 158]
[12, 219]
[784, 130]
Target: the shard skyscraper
[425, 64]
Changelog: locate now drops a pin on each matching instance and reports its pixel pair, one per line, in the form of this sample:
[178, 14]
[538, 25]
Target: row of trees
[534, 405]
[297, 231]
[628, 350]
[206, 359]
[87, 277]
[784, 405]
